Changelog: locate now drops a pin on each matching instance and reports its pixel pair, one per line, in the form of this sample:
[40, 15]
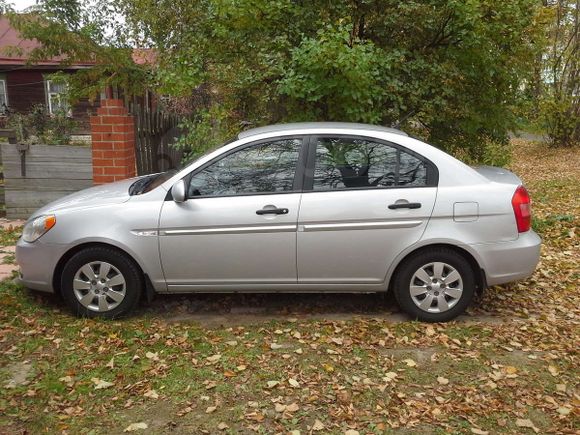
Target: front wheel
[101, 282]
[435, 285]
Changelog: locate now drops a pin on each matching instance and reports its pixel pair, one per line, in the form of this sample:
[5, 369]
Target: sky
[21, 4]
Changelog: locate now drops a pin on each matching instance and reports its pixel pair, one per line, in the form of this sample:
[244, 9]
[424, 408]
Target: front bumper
[37, 263]
[509, 261]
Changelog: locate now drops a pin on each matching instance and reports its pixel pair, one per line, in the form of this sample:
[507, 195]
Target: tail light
[522, 209]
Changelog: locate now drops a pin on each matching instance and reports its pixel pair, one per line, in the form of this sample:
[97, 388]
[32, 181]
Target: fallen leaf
[280, 407]
[272, 384]
[275, 346]
[210, 409]
[562, 410]
[293, 407]
[111, 363]
[351, 432]
[479, 431]
[442, 380]
[222, 426]
[152, 356]
[410, 362]
[100, 384]
[135, 426]
[521, 422]
[214, 358]
[317, 426]
[152, 394]
[294, 383]
[553, 370]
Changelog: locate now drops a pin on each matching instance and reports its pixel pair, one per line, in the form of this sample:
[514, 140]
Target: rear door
[364, 202]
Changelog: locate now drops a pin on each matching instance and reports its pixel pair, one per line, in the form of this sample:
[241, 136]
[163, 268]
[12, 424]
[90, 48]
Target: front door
[365, 201]
[238, 224]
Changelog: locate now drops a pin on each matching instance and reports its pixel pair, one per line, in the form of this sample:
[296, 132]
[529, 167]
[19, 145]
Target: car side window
[343, 163]
[264, 168]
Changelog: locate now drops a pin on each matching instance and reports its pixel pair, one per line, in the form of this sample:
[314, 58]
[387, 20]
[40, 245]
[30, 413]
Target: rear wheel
[101, 282]
[435, 285]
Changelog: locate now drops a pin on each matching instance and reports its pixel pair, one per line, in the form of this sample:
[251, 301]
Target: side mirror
[178, 191]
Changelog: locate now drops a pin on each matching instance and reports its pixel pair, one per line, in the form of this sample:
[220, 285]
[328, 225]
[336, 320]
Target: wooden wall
[26, 88]
[52, 171]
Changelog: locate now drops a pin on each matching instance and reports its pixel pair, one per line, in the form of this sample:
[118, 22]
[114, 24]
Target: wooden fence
[155, 131]
[47, 173]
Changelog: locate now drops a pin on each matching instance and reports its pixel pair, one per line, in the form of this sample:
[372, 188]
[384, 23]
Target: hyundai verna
[308, 207]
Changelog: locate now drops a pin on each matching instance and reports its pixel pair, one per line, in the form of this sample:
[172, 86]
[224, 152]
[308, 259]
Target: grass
[517, 357]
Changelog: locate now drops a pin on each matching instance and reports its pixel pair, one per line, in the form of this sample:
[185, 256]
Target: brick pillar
[113, 141]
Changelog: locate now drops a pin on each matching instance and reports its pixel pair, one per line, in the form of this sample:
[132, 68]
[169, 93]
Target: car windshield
[149, 182]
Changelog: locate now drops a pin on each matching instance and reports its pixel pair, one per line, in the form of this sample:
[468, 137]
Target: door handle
[405, 205]
[272, 211]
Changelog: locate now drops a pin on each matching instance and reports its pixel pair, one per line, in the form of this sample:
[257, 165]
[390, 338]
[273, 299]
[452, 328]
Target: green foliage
[39, 127]
[560, 99]
[91, 34]
[449, 70]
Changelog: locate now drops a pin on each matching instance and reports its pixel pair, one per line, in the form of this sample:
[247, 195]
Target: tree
[448, 70]
[561, 61]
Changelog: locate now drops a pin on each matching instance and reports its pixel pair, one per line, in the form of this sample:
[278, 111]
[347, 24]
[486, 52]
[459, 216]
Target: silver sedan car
[307, 207]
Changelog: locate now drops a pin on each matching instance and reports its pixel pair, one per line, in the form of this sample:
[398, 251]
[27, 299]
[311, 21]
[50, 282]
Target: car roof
[317, 126]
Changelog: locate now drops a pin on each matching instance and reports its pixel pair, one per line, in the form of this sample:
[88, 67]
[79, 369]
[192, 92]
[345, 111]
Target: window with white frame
[57, 98]
[3, 96]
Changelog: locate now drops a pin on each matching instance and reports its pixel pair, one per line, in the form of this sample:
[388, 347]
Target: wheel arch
[478, 271]
[57, 275]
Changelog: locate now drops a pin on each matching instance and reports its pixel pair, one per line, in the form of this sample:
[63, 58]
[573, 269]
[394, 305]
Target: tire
[448, 292]
[101, 282]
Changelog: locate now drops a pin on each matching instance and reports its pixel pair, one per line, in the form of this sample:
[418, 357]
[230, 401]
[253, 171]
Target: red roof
[14, 50]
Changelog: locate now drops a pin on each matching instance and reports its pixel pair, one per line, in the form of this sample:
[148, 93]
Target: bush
[561, 118]
[39, 127]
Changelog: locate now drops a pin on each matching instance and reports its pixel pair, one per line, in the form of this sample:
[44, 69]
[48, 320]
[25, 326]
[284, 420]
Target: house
[23, 86]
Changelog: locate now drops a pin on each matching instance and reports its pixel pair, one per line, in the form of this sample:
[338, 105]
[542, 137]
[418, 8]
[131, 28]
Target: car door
[365, 201]
[237, 228]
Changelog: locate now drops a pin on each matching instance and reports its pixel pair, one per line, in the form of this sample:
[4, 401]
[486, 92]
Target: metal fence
[155, 131]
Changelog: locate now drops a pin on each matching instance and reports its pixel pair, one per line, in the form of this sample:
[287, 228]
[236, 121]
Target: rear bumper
[509, 261]
[37, 263]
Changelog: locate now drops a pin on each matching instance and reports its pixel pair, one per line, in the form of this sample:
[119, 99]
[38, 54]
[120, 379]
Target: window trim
[308, 185]
[298, 175]
[4, 86]
[47, 82]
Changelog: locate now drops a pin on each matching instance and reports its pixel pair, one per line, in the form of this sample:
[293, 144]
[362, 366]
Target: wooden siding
[26, 88]
[51, 173]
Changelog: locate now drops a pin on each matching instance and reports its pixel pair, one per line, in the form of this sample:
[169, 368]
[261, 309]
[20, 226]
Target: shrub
[39, 127]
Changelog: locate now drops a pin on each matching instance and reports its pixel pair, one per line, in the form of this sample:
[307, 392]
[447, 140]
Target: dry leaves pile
[513, 368]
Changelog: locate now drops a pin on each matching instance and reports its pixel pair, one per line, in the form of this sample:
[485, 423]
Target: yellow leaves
[135, 427]
[222, 426]
[442, 380]
[553, 370]
[210, 409]
[299, 351]
[410, 362]
[111, 363]
[275, 346]
[328, 368]
[477, 431]
[101, 384]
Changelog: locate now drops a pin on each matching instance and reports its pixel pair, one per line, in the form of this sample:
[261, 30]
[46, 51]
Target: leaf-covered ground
[306, 365]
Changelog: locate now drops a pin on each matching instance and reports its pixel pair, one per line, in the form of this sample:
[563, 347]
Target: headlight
[34, 229]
